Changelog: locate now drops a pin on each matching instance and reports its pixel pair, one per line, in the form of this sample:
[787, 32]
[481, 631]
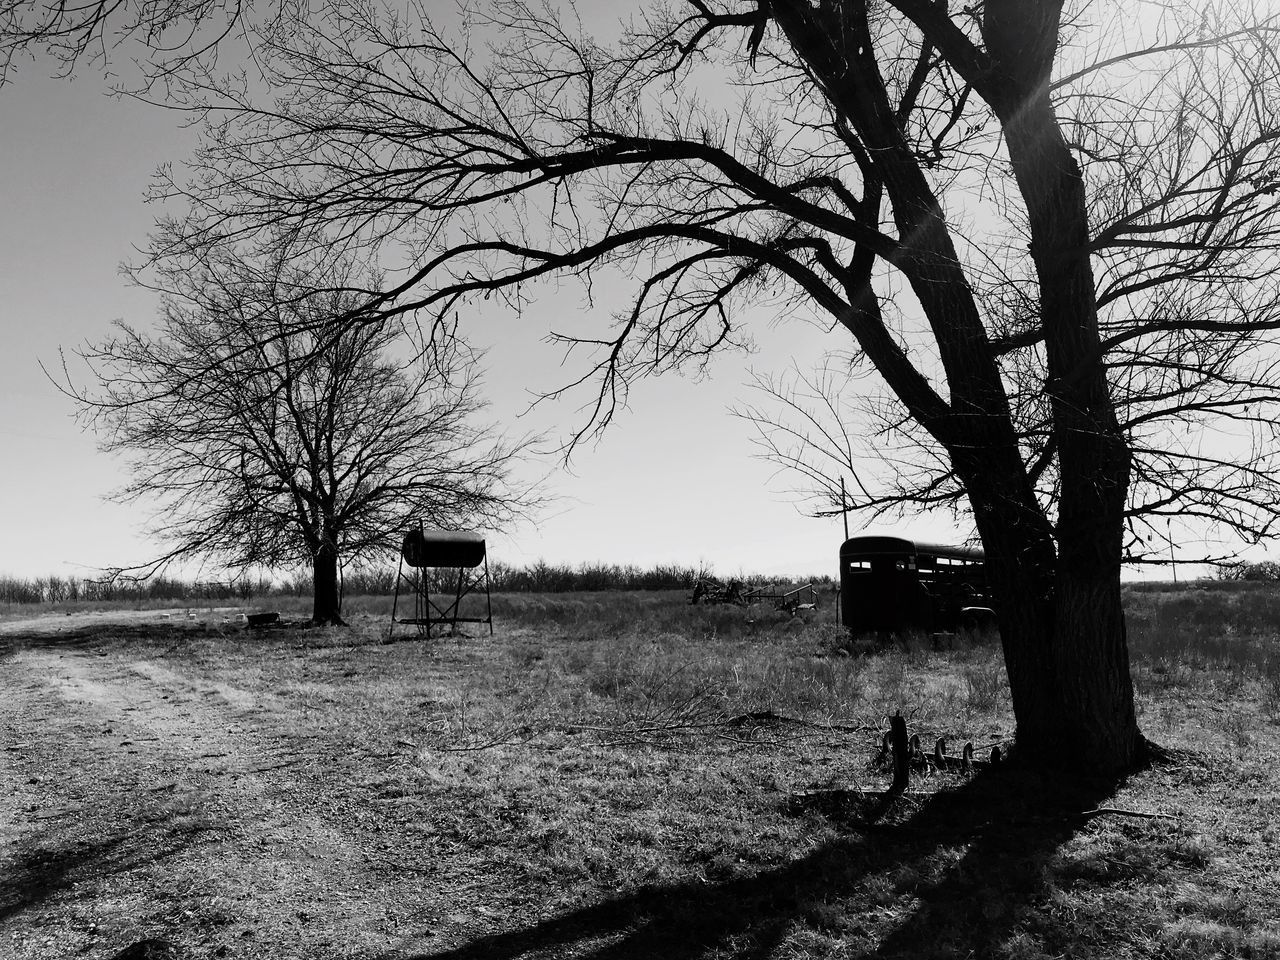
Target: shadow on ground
[46, 864]
[1002, 827]
[89, 637]
[105, 636]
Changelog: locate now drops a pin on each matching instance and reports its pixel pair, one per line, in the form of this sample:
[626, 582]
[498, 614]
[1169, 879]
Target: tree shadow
[101, 637]
[79, 638]
[43, 865]
[1007, 823]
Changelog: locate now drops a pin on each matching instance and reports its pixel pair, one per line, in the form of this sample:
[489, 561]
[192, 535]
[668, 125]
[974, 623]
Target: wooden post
[901, 754]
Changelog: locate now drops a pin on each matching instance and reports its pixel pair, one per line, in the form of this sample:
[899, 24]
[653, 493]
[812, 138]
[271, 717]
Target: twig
[1120, 812]
[768, 716]
[277, 766]
[754, 743]
[516, 735]
[759, 718]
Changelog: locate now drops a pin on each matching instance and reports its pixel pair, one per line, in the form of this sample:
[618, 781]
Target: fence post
[901, 754]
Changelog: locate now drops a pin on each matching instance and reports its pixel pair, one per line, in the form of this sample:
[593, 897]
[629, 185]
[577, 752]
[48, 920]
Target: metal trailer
[895, 585]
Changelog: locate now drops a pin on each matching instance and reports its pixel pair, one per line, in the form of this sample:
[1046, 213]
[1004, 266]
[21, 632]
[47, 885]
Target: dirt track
[144, 802]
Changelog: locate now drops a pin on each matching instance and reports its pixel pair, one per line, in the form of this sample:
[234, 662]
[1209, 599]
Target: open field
[613, 775]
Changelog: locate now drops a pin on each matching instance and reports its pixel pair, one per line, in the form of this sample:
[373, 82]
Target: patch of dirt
[143, 801]
[55, 623]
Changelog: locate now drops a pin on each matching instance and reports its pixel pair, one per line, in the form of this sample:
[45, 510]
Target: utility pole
[1168, 529]
[844, 514]
[844, 509]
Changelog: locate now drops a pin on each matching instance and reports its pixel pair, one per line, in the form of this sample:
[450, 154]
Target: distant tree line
[1261, 571]
[56, 589]
[538, 577]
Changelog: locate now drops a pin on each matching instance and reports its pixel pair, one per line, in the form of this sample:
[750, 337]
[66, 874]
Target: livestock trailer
[895, 585]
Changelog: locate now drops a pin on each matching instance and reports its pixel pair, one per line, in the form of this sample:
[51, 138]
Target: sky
[675, 479]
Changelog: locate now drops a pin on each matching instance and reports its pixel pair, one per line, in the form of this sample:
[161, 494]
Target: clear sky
[674, 480]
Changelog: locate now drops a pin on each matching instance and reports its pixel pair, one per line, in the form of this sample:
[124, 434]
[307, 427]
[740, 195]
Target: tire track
[154, 788]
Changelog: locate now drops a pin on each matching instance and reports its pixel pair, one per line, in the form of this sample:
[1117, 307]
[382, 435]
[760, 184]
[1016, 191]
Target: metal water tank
[443, 548]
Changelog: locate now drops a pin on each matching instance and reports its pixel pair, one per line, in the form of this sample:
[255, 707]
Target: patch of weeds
[1101, 864]
[907, 878]
[577, 659]
[1271, 687]
[946, 699]
[723, 866]
[826, 915]
[1233, 681]
[526, 655]
[1236, 727]
[1190, 938]
[880, 890]
[1022, 946]
[1191, 852]
[638, 835]
[892, 680]
[1219, 906]
[983, 686]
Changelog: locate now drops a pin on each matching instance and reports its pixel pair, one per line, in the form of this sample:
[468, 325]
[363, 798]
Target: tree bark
[326, 607]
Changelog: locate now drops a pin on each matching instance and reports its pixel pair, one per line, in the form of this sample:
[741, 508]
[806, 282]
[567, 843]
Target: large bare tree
[1047, 228]
[268, 436]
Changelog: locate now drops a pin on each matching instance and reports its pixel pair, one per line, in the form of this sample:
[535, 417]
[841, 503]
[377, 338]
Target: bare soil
[145, 800]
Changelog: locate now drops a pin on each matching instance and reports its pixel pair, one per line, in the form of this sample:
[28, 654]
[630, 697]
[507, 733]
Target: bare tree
[271, 436]
[1047, 228]
[169, 34]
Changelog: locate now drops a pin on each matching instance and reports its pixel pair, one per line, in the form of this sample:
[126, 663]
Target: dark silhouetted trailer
[463, 550]
[895, 585]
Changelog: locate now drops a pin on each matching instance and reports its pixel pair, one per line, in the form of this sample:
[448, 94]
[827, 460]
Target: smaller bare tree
[271, 434]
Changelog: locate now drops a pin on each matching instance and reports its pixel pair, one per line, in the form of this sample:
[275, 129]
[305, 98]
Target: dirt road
[143, 801]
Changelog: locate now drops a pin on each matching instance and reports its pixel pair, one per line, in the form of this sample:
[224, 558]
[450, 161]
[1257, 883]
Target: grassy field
[614, 775]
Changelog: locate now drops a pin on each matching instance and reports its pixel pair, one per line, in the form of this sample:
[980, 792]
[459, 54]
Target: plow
[708, 590]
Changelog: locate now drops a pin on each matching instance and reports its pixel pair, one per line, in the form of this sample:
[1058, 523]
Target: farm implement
[709, 590]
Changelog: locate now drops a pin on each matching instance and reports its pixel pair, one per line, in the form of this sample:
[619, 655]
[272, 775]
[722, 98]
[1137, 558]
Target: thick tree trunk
[1090, 723]
[326, 607]
[1062, 630]
[1098, 726]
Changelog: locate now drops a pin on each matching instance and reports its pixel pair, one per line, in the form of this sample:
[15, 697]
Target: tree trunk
[1021, 564]
[1099, 727]
[326, 606]
[1062, 630]
[1090, 722]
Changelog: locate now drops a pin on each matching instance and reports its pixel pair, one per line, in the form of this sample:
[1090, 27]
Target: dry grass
[615, 776]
